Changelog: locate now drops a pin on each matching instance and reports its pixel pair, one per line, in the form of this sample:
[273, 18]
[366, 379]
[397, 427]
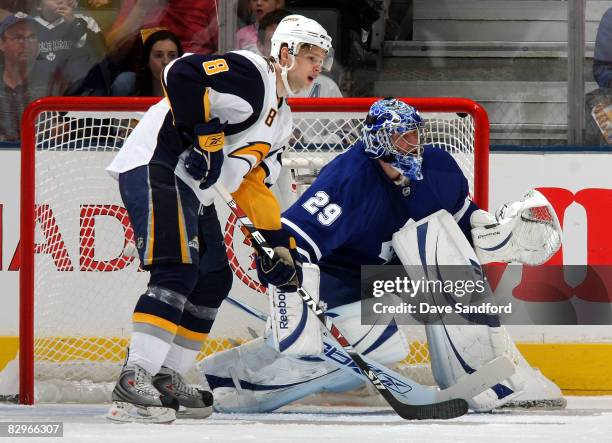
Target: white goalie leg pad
[434, 240]
[384, 343]
[292, 327]
[458, 350]
[254, 377]
[527, 388]
[526, 231]
[454, 350]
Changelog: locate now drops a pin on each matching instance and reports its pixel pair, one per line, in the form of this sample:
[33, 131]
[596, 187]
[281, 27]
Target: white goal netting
[86, 278]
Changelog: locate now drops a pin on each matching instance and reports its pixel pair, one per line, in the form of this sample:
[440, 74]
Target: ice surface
[586, 419]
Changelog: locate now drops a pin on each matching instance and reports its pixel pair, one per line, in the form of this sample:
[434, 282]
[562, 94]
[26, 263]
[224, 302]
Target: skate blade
[122, 412]
[198, 413]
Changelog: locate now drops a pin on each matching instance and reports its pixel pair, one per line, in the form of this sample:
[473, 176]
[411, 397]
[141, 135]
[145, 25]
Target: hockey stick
[446, 409]
[468, 386]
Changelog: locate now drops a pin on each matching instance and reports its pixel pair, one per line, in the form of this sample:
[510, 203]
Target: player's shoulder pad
[238, 73]
[262, 63]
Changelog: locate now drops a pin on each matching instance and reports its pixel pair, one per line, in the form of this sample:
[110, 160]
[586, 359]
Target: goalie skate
[193, 402]
[135, 399]
[539, 392]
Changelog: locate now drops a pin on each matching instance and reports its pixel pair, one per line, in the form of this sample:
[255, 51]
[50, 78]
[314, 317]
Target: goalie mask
[296, 31]
[394, 132]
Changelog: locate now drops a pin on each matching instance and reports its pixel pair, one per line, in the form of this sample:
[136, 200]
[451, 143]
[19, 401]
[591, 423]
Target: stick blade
[444, 410]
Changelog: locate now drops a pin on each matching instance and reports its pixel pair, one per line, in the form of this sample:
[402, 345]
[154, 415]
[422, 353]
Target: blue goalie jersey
[348, 216]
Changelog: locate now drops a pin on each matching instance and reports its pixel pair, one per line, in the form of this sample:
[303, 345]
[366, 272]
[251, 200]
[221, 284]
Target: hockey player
[224, 118]
[348, 218]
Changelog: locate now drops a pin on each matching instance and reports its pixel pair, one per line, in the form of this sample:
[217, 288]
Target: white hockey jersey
[239, 88]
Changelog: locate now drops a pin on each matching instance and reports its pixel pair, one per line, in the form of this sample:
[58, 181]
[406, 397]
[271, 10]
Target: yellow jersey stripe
[154, 320]
[191, 335]
[258, 151]
[206, 105]
[185, 256]
[150, 231]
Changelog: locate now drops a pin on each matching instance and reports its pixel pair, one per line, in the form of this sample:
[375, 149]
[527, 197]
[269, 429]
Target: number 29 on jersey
[319, 205]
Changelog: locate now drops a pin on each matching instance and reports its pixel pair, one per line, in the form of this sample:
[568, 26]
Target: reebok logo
[214, 140]
[489, 234]
[211, 142]
[281, 305]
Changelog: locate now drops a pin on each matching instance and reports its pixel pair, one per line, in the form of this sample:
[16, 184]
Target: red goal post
[312, 117]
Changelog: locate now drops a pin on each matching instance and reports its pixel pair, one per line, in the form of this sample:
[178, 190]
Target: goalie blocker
[459, 350]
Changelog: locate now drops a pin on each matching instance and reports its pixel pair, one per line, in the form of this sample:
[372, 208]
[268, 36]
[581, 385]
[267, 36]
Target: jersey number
[327, 212]
[271, 116]
[215, 66]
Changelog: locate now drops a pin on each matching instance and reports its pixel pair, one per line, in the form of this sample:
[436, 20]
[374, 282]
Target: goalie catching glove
[526, 231]
[205, 157]
[285, 270]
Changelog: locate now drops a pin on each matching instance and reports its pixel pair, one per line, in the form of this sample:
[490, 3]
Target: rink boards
[577, 183]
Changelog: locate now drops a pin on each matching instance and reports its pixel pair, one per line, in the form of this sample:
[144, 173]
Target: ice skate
[135, 399]
[193, 402]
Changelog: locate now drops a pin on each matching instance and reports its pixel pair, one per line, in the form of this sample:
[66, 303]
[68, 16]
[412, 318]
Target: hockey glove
[285, 270]
[205, 157]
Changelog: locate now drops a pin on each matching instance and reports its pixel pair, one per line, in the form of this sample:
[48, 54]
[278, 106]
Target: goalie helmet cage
[67, 141]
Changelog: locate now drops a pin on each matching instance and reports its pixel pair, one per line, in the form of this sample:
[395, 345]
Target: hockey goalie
[369, 206]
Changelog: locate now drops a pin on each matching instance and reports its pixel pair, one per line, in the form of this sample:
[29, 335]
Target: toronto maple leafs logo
[194, 244]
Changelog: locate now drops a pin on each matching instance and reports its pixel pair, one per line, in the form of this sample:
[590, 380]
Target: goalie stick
[468, 386]
[446, 409]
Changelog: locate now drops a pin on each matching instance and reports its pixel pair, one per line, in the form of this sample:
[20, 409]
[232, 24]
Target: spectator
[160, 48]
[66, 40]
[193, 21]
[356, 23]
[246, 37]
[98, 3]
[243, 10]
[92, 24]
[323, 86]
[598, 103]
[602, 57]
[24, 79]
[267, 26]
[9, 7]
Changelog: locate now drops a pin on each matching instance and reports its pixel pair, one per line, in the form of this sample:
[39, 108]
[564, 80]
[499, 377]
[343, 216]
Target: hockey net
[79, 278]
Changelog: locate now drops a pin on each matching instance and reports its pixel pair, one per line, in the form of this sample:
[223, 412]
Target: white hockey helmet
[297, 30]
